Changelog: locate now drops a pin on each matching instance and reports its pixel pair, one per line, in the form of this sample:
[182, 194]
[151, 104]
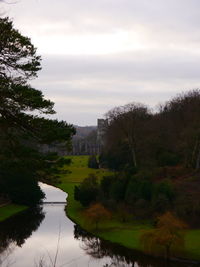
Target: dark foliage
[92, 162]
[20, 227]
[119, 255]
[160, 152]
[87, 192]
[137, 138]
[21, 133]
[137, 194]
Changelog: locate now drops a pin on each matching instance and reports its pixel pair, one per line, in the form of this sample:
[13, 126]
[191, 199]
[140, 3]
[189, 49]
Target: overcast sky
[98, 54]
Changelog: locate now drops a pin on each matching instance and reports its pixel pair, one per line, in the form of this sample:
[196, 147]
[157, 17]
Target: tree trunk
[132, 148]
[134, 157]
[167, 252]
[196, 154]
[198, 160]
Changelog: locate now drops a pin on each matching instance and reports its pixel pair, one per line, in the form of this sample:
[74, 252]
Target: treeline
[155, 158]
[136, 138]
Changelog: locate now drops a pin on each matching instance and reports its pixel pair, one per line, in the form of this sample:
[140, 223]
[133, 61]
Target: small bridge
[54, 202]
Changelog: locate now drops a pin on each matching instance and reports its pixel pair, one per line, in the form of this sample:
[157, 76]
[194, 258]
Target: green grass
[192, 243]
[10, 210]
[79, 170]
[127, 234]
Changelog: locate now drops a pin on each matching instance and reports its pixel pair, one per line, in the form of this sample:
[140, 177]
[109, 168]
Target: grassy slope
[127, 234]
[10, 210]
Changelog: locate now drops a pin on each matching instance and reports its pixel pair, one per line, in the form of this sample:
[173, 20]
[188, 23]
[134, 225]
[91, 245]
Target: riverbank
[126, 234]
[10, 210]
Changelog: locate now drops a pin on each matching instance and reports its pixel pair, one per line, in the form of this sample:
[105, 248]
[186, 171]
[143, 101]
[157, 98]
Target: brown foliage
[167, 235]
[97, 213]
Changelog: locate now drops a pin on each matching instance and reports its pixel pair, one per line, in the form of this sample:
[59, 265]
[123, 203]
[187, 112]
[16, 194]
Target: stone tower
[101, 129]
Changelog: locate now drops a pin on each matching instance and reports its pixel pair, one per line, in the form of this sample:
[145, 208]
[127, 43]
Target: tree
[163, 196]
[124, 133]
[168, 234]
[96, 213]
[17, 55]
[181, 115]
[22, 132]
[87, 191]
[92, 162]
[123, 212]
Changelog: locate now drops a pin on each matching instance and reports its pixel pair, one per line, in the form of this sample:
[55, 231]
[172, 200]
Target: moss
[10, 210]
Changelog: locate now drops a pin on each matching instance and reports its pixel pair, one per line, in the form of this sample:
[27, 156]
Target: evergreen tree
[22, 132]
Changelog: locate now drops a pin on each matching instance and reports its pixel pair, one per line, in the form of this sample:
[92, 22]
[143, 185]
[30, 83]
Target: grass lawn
[79, 170]
[192, 244]
[127, 234]
[10, 210]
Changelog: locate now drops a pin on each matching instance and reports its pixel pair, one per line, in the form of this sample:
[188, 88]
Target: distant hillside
[84, 131]
[85, 141]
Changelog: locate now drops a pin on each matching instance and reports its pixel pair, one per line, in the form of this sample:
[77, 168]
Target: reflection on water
[118, 255]
[14, 232]
[37, 234]
[53, 194]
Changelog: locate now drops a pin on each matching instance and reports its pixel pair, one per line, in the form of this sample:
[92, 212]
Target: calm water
[46, 234]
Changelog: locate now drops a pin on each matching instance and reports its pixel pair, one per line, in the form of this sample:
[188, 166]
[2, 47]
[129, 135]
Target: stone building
[87, 141]
[102, 125]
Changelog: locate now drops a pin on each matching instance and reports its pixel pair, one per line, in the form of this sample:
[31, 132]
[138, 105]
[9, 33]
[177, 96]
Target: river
[46, 237]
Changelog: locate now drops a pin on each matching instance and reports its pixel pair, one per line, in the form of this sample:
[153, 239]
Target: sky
[99, 54]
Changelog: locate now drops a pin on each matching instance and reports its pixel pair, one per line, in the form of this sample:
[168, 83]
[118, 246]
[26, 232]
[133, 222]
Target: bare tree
[126, 122]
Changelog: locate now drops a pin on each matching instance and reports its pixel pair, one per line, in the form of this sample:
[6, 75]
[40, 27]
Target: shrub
[160, 203]
[92, 162]
[97, 213]
[167, 158]
[142, 209]
[87, 191]
[167, 236]
[138, 188]
[105, 185]
[164, 188]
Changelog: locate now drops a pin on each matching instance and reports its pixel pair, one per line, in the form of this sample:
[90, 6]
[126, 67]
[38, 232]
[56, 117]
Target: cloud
[102, 53]
[92, 85]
